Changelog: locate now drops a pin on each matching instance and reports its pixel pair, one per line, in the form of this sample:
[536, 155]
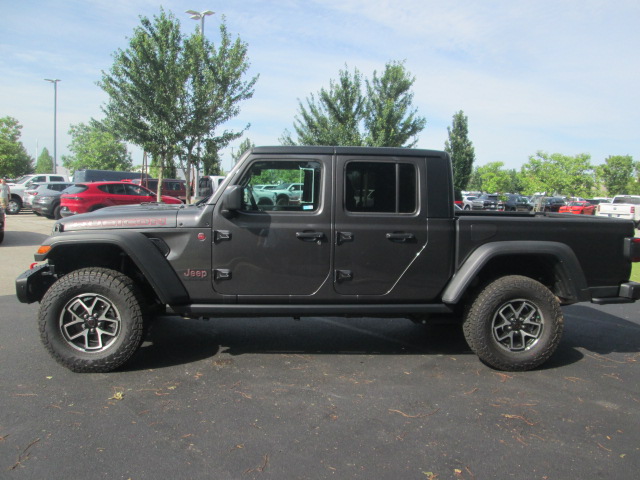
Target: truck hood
[149, 215]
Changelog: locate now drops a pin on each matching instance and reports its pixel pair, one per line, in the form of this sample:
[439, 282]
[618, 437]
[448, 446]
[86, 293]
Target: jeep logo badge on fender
[190, 274]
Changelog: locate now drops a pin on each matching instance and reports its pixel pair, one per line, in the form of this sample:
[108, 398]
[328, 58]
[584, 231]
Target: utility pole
[55, 121]
[195, 15]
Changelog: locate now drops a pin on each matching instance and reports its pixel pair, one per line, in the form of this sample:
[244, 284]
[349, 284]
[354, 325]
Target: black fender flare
[144, 254]
[569, 268]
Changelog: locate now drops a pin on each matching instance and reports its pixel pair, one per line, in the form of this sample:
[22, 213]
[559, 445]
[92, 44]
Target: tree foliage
[245, 145]
[344, 115]
[44, 164]
[390, 119]
[333, 118]
[461, 150]
[168, 94]
[95, 146]
[14, 160]
[616, 174]
[557, 173]
[493, 178]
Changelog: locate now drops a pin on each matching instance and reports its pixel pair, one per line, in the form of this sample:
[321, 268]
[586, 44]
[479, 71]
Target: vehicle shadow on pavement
[22, 239]
[594, 331]
[173, 341]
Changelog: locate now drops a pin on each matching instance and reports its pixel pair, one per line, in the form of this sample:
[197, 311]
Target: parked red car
[583, 208]
[87, 197]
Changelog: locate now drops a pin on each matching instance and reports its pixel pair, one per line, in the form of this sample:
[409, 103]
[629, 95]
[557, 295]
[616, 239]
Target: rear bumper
[627, 293]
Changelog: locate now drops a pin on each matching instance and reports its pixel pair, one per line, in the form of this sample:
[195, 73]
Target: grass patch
[635, 272]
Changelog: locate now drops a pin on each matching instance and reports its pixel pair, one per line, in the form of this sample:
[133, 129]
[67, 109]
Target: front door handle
[310, 236]
[400, 237]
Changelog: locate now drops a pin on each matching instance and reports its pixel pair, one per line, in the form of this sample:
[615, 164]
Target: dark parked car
[50, 192]
[48, 205]
[486, 201]
[553, 204]
[516, 203]
[170, 186]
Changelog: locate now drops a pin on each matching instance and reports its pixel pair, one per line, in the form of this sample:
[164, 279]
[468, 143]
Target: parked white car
[622, 206]
[467, 201]
[16, 202]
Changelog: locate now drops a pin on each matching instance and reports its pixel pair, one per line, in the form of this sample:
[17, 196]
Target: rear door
[379, 227]
[394, 228]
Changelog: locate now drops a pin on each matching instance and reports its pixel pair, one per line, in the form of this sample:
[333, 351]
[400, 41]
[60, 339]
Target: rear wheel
[515, 323]
[91, 320]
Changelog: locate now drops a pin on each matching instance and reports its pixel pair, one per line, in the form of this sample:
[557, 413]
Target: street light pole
[195, 15]
[55, 121]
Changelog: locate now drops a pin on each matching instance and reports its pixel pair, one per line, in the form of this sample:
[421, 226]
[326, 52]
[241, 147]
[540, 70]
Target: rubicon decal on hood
[117, 223]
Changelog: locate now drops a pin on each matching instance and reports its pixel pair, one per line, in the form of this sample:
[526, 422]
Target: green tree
[634, 183]
[616, 174]
[335, 117]
[44, 163]
[95, 146]
[344, 115]
[215, 87]
[461, 150]
[145, 85]
[243, 147]
[168, 94]
[14, 160]
[494, 178]
[559, 174]
[390, 120]
[475, 181]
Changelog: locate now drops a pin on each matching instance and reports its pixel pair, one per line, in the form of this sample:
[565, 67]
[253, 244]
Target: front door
[271, 247]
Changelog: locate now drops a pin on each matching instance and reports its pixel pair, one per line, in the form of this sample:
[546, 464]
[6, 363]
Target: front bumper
[65, 212]
[32, 284]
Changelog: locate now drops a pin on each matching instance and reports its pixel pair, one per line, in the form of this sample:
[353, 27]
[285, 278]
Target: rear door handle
[400, 237]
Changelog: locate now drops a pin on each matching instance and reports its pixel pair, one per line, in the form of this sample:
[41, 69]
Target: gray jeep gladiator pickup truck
[373, 233]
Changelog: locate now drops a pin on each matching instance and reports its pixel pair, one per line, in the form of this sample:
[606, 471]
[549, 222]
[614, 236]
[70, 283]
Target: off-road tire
[514, 324]
[87, 306]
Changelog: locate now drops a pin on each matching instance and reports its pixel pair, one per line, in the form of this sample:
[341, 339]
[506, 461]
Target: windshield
[76, 189]
[631, 200]
[24, 179]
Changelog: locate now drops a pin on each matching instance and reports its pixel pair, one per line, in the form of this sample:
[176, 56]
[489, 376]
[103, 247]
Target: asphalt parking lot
[317, 398]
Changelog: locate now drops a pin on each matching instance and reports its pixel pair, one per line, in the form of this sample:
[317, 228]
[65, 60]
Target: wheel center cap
[92, 322]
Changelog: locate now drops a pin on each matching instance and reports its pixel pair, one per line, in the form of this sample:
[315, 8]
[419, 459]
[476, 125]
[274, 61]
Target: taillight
[633, 209]
[632, 249]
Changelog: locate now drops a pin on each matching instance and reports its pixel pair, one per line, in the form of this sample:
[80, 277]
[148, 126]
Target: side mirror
[231, 200]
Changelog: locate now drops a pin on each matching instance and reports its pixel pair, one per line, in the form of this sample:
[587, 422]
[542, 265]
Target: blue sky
[561, 76]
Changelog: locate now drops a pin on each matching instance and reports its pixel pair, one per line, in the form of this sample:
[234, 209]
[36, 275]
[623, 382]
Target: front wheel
[56, 213]
[91, 320]
[14, 206]
[515, 323]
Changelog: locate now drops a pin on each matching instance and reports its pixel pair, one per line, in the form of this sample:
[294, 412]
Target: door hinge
[343, 237]
[221, 235]
[343, 275]
[222, 274]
